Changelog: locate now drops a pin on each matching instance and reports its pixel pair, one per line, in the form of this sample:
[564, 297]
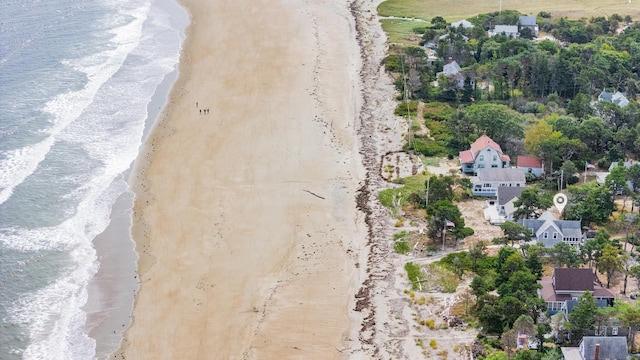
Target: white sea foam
[68, 107]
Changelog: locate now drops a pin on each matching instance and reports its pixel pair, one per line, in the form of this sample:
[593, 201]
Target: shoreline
[111, 292]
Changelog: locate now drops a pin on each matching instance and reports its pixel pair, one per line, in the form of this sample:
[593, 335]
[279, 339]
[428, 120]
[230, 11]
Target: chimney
[597, 352]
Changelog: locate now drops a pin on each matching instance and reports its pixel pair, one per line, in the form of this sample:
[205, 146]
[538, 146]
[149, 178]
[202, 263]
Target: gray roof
[569, 228]
[617, 98]
[500, 174]
[615, 164]
[573, 279]
[507, 29]
[527, 20]
[465, 24]
[506, 193]
[611, 347]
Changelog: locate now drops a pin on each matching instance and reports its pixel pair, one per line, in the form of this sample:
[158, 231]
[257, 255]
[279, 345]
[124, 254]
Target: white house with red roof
[484, 153]
[530, 165]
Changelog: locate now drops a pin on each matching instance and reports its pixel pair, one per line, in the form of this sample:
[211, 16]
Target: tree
[589, 203]
[629, 316]
[616, 180]
[634, 271]
[633, 176]
[536, 134]
[582, 318]
[438, 22]
[610, 262]
[592, 248]
[564, 254]
[438, 188]
[442, 213]
[475, 253]
[515, 232]
[480, 286]
[523, 325]
[532, 254]
[530, 204]
[580, 106]
[500, 123]
[568, 169]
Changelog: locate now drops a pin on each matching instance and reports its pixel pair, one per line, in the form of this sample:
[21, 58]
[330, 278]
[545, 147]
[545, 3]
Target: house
[601, 177]
[528, 21]
[564, 287]
[549, 231]
[464, 23]
[501, 210]
[489, 180]
[617, 98]
[452, 71]
[530, 165]
[484, 153]
[598, 347]
[510, 31]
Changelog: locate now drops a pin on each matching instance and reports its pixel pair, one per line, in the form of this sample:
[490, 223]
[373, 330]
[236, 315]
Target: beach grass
[402, 31]
[412, 184]
[462, 9]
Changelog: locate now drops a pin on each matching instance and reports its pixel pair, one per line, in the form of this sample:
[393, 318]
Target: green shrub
[433, 344]
[401, 247]
[414, 273]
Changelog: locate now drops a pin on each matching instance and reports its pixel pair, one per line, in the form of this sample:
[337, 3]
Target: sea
[81, 85]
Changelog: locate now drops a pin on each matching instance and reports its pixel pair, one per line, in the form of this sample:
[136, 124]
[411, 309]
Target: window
[494, 165]
[545, 235]
[495, 157]
[530, 170]
[614, 330]
[531, 230]
[487, 185]
[480, 166]
[555, 235]
[481, 158]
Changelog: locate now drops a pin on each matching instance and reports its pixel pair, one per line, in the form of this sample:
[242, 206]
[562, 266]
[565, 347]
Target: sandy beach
[245, 219]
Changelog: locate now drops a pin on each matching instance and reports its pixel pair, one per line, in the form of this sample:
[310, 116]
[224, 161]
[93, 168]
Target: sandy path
[245, 218]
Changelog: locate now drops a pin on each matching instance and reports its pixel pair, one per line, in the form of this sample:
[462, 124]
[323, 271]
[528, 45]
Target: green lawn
[400, 31]
[461, 9]
[411, 184]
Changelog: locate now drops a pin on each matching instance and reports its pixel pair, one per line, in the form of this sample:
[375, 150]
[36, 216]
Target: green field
[461, 9]
[400, 31]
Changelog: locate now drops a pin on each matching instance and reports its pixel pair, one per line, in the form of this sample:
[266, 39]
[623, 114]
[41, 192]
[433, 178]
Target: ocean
[81, 84]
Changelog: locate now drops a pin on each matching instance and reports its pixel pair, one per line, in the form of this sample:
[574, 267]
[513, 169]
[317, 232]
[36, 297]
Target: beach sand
[245, 217]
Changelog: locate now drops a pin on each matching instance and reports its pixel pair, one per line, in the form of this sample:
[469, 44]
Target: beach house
[564, 287]
[484, 153]
[549, 231]
[530, 165]
[487, 182]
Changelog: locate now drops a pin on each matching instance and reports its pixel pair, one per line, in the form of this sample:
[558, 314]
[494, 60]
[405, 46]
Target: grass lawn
[461, 9]
[411, 184]
[400, 31]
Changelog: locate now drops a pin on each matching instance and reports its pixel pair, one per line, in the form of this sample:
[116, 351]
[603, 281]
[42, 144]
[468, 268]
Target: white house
[617, 98]
[528, 21]
[529, 164]
[508, 30]
[489, 180]
[464, 23]
[484, 153]
[549, 231]
[501, 210]
[452, 71]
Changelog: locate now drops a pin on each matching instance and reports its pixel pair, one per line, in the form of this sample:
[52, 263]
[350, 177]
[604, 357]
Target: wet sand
[245, 217]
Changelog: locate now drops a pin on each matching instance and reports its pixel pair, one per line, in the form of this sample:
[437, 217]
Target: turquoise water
[76, 79]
